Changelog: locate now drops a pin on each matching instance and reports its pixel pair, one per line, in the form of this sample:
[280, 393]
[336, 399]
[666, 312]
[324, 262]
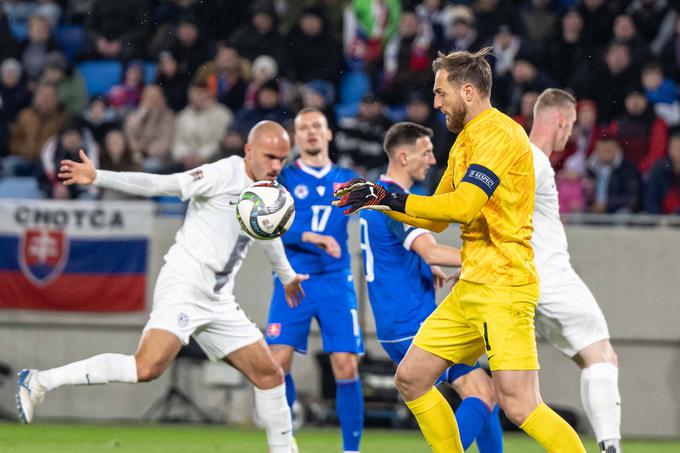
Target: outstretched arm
[135, 183]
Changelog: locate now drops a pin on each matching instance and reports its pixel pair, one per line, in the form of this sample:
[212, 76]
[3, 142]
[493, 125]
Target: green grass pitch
[77, 438]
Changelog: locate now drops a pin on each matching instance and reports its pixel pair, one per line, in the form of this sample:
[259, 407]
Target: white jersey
[549, 239]
[210, 246]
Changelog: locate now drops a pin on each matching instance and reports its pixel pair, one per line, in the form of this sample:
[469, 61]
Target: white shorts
[219, 326]
[568, 315]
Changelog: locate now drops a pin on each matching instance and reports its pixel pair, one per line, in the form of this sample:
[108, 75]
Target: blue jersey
[400, 282]
[312, 189]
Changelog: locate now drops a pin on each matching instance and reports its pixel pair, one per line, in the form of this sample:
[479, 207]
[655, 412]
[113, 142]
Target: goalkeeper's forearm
[437, 227]
[460, 206]
[136, 183]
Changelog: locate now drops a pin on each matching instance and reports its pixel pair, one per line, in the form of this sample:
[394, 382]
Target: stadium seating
[71, 39]
[149, 72]
[19, 30]
[100, 76]
[353, 85]
[19, 187]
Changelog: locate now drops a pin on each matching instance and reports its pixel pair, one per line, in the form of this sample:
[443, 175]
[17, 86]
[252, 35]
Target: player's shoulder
[497, 122]
[390, 185]
[235, 162]
[342, 173]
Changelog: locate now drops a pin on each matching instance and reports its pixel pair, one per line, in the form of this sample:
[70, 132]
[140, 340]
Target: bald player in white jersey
[568, 315]
[194, 290]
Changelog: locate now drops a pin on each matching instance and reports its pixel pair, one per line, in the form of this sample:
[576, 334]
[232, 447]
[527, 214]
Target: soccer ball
[265, 210]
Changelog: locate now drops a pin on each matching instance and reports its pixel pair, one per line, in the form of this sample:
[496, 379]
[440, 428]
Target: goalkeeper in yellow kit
[488, 188]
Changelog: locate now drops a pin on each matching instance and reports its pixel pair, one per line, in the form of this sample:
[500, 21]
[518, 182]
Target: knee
[148, 370]
[268, 376]
[345, 367]
[408, 384]
[516, 410]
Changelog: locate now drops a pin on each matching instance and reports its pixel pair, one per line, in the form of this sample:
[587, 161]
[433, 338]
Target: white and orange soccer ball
[265, 210]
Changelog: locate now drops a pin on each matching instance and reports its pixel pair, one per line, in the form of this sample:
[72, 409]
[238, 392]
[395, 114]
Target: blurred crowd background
[165, 85]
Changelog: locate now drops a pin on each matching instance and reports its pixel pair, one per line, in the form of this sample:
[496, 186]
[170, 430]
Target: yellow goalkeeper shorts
[476, 319]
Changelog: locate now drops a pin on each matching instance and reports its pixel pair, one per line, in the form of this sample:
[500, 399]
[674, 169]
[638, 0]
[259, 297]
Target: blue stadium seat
[100, 76]
[19, 30]
[71, 39]
[20, 187]
[348, 110]
[353, 85]
[149, 72]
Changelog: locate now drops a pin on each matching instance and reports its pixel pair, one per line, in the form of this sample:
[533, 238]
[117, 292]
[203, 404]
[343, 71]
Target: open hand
[72, 172]
[293, 290]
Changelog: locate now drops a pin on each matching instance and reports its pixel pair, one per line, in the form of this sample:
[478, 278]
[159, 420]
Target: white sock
[100, 369]
[601, 400]
[273, 410]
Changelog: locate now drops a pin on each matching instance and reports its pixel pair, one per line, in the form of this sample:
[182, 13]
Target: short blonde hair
[554, 97]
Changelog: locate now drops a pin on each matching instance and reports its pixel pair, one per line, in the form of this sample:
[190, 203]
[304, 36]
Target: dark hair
[127, 162]
[674, 133]
[199, 82]
[466, 67]
[404, 133]
[652, 66]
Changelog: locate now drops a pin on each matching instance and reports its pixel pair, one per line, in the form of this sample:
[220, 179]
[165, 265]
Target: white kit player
[193, 294]
[568, 315]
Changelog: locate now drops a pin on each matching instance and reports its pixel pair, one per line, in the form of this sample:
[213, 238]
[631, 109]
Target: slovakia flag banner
[74, 255]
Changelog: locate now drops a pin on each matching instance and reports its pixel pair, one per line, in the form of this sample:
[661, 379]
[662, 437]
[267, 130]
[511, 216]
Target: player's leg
[257, 364]
[444, 338]
[349, 400]
[233, 338]
[156, 351]
[600, 393]
[287, 331]
[477, 414]
[415, 378]
[283, 355]
[341, 337]
[569, 317]
[475, 421]
[505, 317]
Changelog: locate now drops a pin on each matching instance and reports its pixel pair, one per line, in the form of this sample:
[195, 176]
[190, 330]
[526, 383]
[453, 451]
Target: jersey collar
[387, 179]
[320, 173]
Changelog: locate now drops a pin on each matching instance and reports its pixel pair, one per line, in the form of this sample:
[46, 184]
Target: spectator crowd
[196, 75]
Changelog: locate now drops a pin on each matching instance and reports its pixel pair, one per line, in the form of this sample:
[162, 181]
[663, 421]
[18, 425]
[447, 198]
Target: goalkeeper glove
[360, 194]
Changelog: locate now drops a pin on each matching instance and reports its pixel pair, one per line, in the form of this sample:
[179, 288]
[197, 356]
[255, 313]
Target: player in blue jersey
[401, 267]
[317, 244]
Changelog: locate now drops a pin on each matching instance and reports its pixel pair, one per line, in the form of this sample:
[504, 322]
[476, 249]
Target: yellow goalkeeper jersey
[493, 153]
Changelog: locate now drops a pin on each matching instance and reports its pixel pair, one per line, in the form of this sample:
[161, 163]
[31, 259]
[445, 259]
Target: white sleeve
[212, 179]
[278, 259]
[143, 184]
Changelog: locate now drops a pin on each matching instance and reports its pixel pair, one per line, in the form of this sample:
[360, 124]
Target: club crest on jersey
[321, 190]
[182, 320]
[273, 330]
[196, 174]
[42, 255]
[301, 191]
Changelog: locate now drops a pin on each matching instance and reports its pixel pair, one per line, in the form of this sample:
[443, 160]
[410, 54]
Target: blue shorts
[397, 350]
[330, 298]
